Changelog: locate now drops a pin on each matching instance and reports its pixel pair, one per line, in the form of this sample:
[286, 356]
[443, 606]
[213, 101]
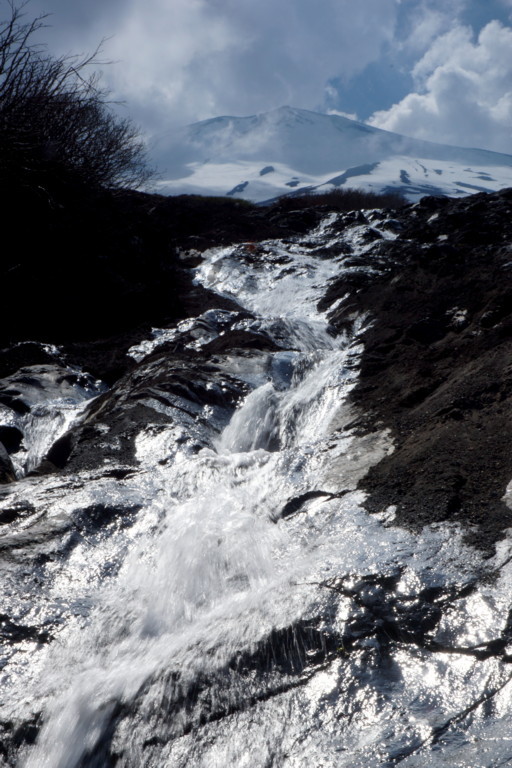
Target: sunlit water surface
[216, 566]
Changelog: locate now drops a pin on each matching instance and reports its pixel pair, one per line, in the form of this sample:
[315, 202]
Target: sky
[432, 69]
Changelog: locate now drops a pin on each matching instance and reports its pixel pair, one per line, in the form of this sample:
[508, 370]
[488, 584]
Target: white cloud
[177, 61]
[426, 28]
[423, 22]
[463, 91]
[191, 59]
[339, 113]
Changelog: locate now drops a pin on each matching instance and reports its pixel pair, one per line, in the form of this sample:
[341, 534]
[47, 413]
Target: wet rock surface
[437, 364]
[378, 639]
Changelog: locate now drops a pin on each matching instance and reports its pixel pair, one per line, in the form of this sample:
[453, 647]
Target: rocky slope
[437, 361]
[400, 444]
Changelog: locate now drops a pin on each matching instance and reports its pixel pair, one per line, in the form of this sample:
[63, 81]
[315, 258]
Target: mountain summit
[286, 150]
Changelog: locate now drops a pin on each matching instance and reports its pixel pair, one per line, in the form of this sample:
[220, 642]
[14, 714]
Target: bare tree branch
[54, 113]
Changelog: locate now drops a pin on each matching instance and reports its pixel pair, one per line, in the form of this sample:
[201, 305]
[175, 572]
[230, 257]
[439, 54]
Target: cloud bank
[445, 63]
[193, 59]
[463, 91]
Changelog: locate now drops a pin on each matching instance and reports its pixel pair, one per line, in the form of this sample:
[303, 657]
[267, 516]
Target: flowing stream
[238, 620]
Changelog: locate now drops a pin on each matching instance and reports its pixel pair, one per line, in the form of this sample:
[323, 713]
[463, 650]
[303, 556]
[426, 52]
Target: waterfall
[195, 591]
[244, 616]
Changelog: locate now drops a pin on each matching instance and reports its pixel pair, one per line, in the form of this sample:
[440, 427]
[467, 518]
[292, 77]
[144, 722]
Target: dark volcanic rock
[35, 384]
[26, 353]
[164, 388]
[437, 363]
[7, 473]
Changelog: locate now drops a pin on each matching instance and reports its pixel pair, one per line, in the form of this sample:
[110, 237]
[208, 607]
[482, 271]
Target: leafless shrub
[56, 119]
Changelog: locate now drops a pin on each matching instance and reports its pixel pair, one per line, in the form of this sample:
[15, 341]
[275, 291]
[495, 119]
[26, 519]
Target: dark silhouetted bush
[55, 121]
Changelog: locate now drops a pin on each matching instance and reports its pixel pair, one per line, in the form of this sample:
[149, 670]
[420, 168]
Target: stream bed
[202, 584]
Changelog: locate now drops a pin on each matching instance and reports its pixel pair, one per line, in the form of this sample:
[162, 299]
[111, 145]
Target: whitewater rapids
[245, 617]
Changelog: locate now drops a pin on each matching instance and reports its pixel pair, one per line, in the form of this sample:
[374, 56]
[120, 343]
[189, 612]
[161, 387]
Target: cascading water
[50, 399]
[246, 615]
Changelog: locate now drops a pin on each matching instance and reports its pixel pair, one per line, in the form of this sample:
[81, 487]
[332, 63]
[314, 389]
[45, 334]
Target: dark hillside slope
[101, 267]
[437, 364]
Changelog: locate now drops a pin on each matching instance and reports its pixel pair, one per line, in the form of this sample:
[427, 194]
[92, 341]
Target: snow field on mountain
[288, 150]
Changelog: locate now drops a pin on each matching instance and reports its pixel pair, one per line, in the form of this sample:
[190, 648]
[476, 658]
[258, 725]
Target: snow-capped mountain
[286, 150]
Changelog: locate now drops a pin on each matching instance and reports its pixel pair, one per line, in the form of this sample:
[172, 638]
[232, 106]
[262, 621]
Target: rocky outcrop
[437, 361]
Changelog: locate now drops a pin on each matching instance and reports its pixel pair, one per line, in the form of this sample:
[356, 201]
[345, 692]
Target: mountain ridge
[260, 157]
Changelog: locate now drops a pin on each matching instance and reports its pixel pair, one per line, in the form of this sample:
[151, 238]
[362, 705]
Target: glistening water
[253, 613]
